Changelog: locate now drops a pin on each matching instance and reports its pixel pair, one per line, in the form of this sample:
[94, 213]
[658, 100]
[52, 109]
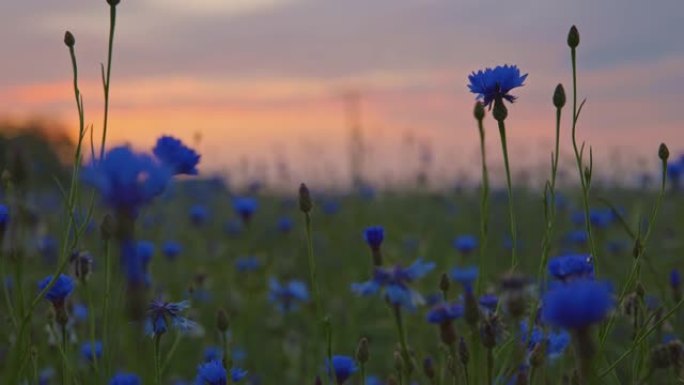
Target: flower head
[178, 157]
[245, 207]
[395, 283]
[4, 217]
[675, 279]
[489, 302]
[445, 312]
[90, 350]
[171, 249]
[342, 367]
[247, 264]
[213, 353]
[465, 244]
[577, 304]
[63, 287]
[571, 266]
[492, 84]
[556, 341]
[198, 214]
[211, 373]
[374, 235]
[466, 276]
[162, 313]
[127, 180]
[237, 374]
[125, 379]
[287, 296]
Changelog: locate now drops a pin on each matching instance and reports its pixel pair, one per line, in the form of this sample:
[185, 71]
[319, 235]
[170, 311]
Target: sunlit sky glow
[263, 80]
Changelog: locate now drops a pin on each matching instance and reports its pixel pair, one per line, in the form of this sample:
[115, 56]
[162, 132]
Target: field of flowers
[140, 271]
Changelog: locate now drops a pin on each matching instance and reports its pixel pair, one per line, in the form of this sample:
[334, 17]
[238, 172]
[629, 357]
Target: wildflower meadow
[138, 269]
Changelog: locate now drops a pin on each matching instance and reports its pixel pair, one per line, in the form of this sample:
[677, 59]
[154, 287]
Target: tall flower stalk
[479, 113]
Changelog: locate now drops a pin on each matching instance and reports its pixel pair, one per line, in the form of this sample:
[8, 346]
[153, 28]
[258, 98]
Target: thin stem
[91, 325]
[157, 359]
[484, 208]
[312, 266]
[578, 158]
[490, 366]
[105, 308]
[408, 362]
[112, 25]
[511, 210]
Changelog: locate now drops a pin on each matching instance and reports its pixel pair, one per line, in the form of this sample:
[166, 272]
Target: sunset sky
[262, 81]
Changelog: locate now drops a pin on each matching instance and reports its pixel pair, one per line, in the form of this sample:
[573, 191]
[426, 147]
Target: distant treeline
[35, 153]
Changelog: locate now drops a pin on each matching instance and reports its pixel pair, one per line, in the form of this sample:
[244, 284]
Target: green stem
[406, 355]
[157, 359]
[484, 208]
[112, 25]
[578, 158]
[490, 366]
[91, 324]
[105, 309]
[511, 210]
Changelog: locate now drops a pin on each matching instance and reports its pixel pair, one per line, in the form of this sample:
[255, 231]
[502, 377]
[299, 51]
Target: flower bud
[573, 37]
[444, 283]
[69, 39]
[559, 96]
[663, 152]
[113, 3]
[463, 353]
[429, 368]
[222, 320]
[479, 111]
[305, 203]
[500, 111]
[362, 350]
[107, 228]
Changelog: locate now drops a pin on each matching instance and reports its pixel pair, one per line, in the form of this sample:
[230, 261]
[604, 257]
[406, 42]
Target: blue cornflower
[171, 249]
[577, 237]
[237, 374]
[287, 296]
[285, 224]
[674, 172]
[45, 376]
[675, 279]
[374, 380]
[125, 379]
[465, 243]
[127, 180]
[213, 353]
[331, 206]
[556, 341]
[601, 218]
[394, 281]
[466, 276]
[245, 207]
[4, 217]
[247, 264]
[577, 304]
[178, 157]
[161, 313]
[63, 287]
[342, 367]
[80, 312]
[89, 353]
[198, 214]
[445, 312]
[489, 301]
[374, 235]
[211, 373]
[492, 84]
[571, 266]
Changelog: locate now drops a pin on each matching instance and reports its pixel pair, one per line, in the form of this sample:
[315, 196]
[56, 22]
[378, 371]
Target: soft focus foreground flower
[466, 276]
[342, 368]
[127, 180]
[571, 266]
[445, 312]
[555, 341]
[125, 379]
[465, 243]
[63, 287]
[395, 282]
[577, 304]
[211, 373]
[247, 264]
[161, 313]
[287, 296]
[245, 207]
[178, 157]
[90, 350]
[171, 249]
[492, 84]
